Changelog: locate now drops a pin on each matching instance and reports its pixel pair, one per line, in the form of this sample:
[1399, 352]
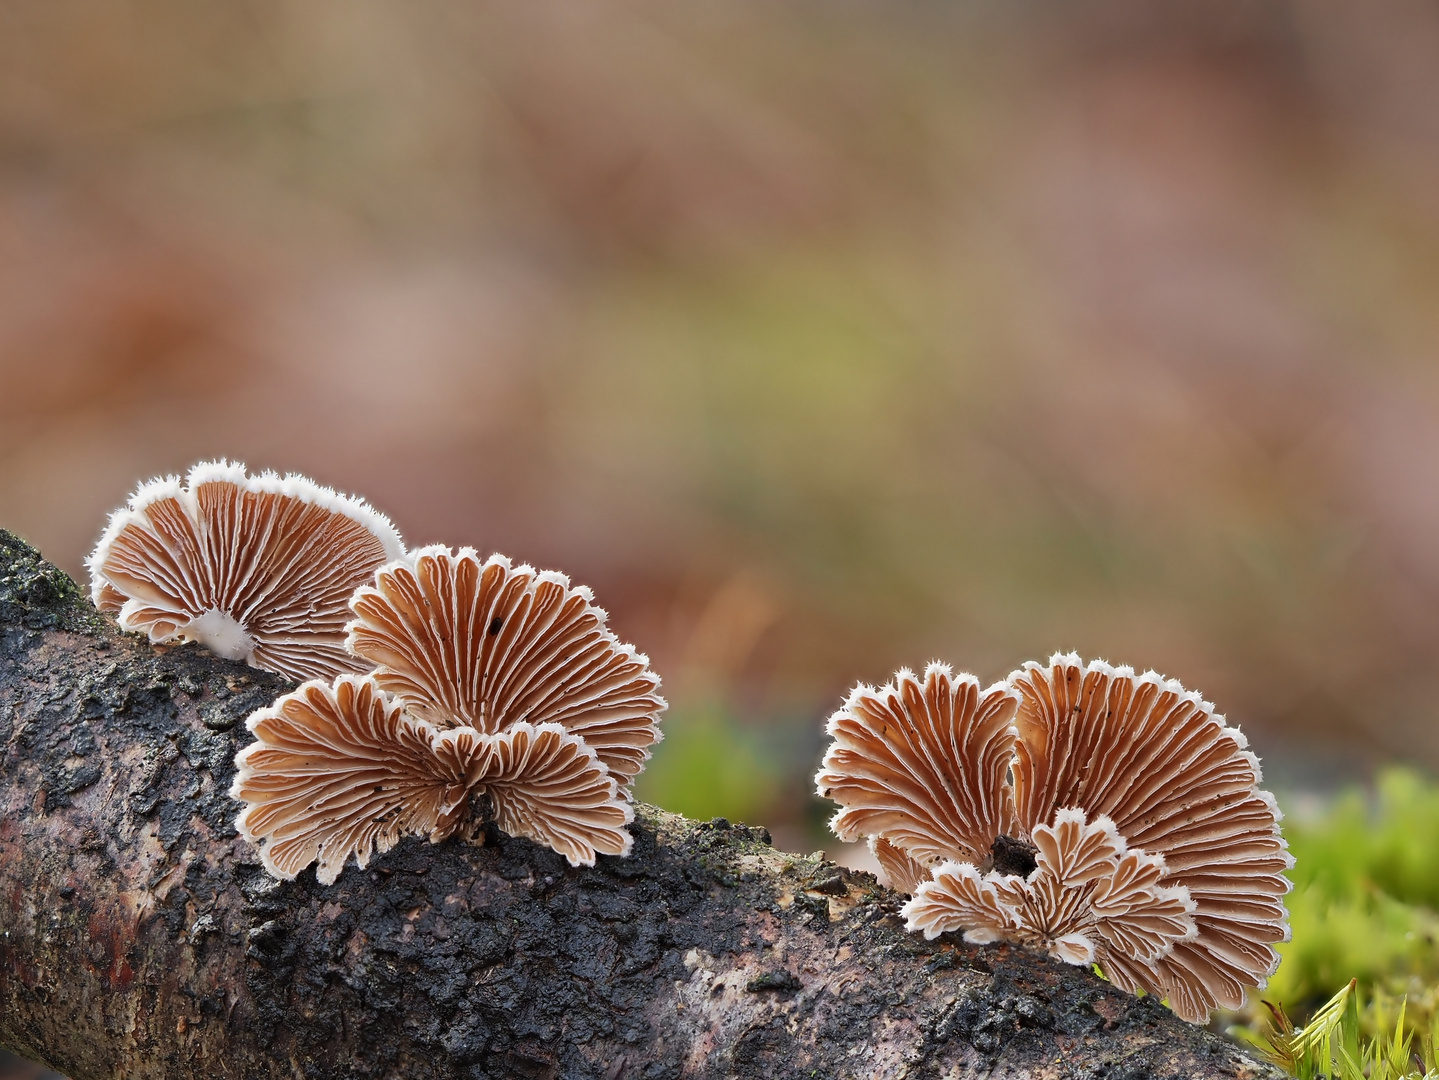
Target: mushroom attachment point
[1100, 816]
[255, 568]
[498, 697]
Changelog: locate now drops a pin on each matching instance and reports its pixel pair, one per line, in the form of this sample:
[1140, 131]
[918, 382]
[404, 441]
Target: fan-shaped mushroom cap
[256, 568]
[1177, 782]
[923, 765]
[544, 783]
[987, 907]
[485, 645]
[340, 770]
[1088, 898]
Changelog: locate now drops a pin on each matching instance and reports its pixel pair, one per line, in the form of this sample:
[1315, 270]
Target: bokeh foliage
[710, 766]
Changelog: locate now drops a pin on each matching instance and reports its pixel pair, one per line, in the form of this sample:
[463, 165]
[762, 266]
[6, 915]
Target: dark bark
[139, 936]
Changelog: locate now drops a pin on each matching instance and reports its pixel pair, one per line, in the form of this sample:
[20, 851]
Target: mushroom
[905, 873]
[341, 770]
[486, 645]
[255, 568]
[1078, 808]
[498, 696]
[923, 765]
[1087, 898]
[1178, 782]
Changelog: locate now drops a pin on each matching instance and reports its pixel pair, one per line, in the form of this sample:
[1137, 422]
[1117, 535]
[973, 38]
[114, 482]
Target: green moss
[1365, 907]
[37, 594]
[1334, 1043]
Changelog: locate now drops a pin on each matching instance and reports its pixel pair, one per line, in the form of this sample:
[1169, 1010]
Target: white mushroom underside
[221, 633]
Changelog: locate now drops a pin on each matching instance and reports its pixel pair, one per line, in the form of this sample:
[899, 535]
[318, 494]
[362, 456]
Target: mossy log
[140, 937]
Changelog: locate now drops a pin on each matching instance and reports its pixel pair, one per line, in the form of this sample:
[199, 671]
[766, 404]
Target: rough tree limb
[139, 936]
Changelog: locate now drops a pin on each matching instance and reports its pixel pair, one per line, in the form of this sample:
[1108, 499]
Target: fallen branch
[139, 936]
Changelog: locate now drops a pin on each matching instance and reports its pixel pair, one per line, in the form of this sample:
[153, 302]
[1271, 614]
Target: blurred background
[818, 338]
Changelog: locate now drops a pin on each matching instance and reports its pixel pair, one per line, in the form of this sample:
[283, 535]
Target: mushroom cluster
[446, 692]
[494, 693]
[1102, 816]
[1105, 817]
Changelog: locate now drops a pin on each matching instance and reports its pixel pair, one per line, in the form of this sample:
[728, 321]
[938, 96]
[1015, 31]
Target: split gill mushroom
[497, 694]
[486, 645]
[1101, 816]
[255, 568]
[340, 770]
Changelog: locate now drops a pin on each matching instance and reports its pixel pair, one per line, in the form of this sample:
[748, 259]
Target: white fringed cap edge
[292, 485]
[408, 560]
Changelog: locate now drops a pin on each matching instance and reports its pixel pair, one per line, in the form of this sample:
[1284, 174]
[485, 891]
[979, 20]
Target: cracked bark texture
[139, 936]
